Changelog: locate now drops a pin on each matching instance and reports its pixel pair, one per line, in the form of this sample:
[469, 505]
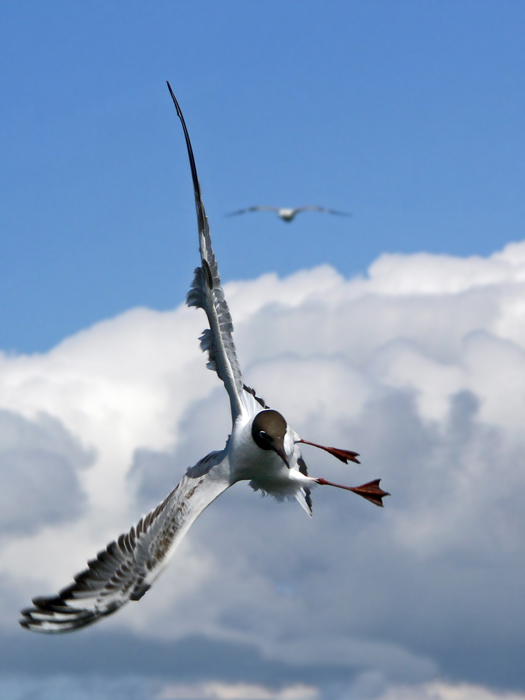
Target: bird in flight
[288, 214]
[262, 449]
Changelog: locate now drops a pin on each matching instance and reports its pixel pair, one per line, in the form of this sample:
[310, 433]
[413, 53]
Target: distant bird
[288, 214]
[261, 449]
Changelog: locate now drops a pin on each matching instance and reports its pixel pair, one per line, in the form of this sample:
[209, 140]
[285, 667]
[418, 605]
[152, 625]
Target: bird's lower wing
[128, 566]
[207, 293]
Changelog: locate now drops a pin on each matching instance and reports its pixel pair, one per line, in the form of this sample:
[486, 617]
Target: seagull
[288, 214]
[262, 449]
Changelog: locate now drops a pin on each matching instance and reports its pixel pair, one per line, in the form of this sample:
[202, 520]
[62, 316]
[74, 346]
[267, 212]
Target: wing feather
[322, 209]
[254, 208]
[126, 569]
[206, 293]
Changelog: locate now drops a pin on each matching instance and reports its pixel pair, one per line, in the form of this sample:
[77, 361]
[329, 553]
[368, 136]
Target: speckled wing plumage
[206, 293]
[126, 569]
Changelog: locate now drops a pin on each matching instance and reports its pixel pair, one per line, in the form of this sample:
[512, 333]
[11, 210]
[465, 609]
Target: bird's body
[261, 449]
[286, 213]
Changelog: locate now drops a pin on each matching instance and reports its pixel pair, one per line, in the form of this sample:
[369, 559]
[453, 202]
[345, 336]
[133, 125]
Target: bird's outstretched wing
[322, 209]
[128, 566]
[288, 214]
[254, 208]
[207, 293]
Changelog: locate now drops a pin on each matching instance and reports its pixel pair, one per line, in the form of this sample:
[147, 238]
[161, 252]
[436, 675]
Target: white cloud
[132, 687]
[447, 691]
[219, 690]
[420, 367]
[39, 461]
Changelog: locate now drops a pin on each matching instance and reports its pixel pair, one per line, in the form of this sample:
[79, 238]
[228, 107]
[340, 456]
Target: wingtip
[175, 101]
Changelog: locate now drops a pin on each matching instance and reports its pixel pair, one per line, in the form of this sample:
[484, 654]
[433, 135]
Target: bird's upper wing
[128, 566]
[207, 293]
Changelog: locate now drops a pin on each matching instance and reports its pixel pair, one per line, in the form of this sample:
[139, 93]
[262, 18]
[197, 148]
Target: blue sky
[409, 115]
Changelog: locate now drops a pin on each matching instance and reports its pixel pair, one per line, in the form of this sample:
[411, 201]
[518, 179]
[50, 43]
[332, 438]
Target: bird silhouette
[287, 214]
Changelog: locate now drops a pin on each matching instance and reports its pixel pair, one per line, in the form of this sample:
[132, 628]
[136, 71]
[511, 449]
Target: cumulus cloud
[132, 687]
[39, 463]
[419, 366]
[447, 691]
[218, 690]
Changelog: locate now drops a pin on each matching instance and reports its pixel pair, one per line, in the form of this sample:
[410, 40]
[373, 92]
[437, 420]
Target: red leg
[343, 455]
[371, 491]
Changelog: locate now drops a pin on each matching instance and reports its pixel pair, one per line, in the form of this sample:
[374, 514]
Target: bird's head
[268, 432]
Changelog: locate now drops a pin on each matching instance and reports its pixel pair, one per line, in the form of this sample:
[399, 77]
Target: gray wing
[323, 209]
[206, 293]
[254, 208]
[126, 569]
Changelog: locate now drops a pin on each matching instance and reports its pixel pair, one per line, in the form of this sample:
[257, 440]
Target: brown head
[268, 432]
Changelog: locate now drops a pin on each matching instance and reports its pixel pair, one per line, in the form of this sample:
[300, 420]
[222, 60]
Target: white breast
[265, 470]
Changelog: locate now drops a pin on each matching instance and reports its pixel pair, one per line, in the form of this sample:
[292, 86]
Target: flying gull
[288, 214]
[262, 449]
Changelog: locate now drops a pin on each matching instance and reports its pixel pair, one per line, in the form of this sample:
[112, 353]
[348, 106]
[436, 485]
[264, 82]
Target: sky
[396, 332]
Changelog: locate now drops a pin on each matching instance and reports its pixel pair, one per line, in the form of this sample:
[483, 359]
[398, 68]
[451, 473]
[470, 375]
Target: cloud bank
[419, 366]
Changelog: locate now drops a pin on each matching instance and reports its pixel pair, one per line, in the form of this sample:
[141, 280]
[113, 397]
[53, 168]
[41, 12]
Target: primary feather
[207, 293]
[128, 566]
